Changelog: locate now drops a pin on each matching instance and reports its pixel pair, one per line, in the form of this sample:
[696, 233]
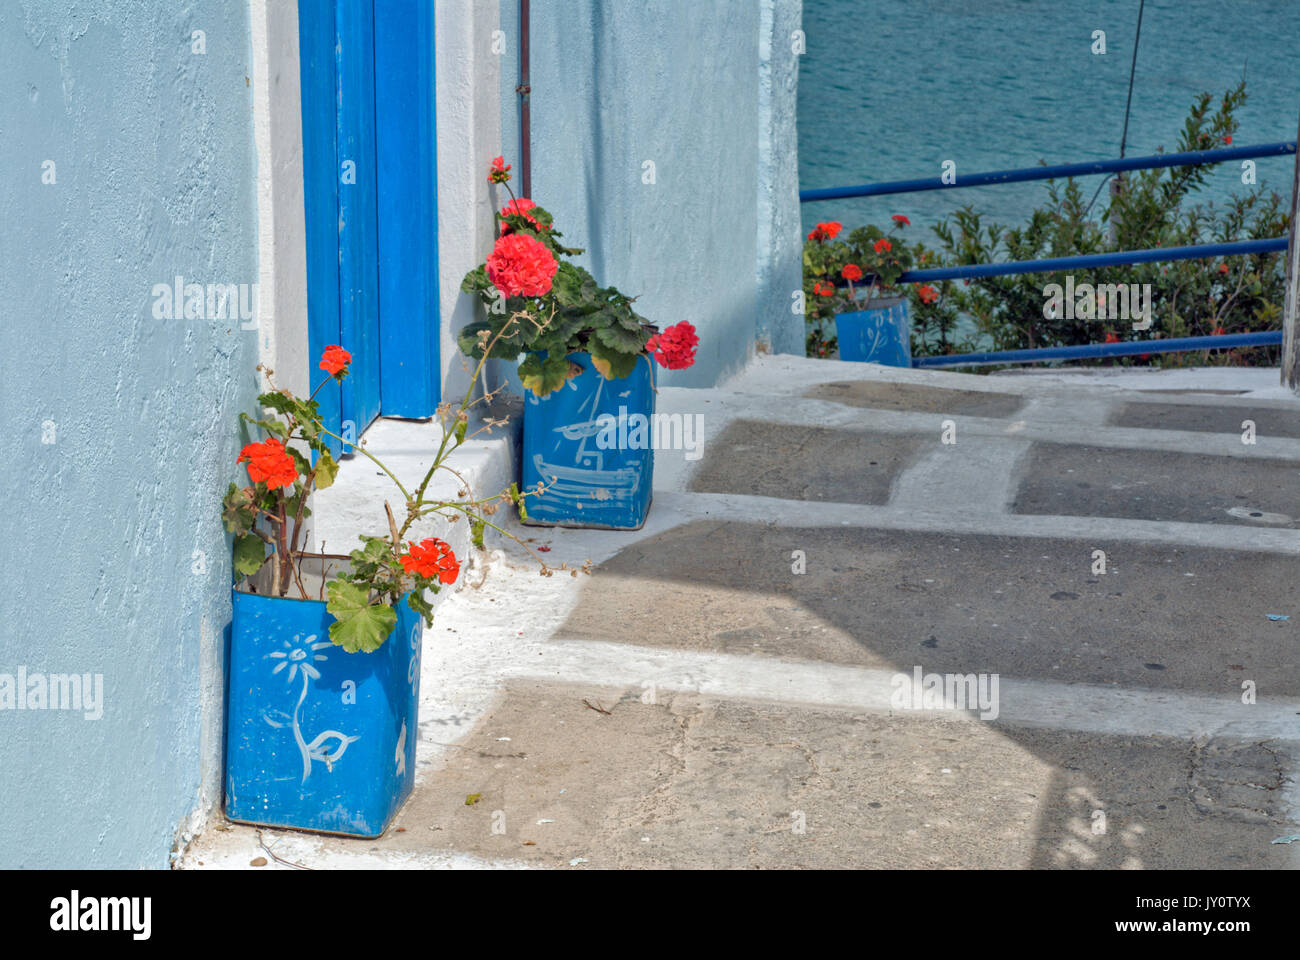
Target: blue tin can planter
[590, 443]
[882, 334]
[318, 738]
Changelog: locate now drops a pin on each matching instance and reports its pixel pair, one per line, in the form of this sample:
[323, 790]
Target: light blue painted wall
[680, 83]
[155, 165]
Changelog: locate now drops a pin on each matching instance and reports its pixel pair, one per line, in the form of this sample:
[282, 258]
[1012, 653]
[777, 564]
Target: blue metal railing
[1089, 261]
[1190, 159]
[1084, 261]
[1086, 351]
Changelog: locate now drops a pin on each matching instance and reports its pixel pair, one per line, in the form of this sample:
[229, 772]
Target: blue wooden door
[369, 171]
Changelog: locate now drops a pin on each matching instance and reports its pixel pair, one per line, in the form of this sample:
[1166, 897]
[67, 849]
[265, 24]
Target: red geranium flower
[675, 347]
[1228, 140]
[1111, 337]
[521, 266]
[270, 462]
[901, 220]
[826, 231]
[882, 246]
[927, 293]
[824, 289]
[335, 360]
[1223, 268]
[520, 208]
[433, 559]
[852, 272]
[500, 172]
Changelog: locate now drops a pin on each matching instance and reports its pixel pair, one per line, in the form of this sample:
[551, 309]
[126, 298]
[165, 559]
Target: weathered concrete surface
[721, 783]
[1205, 418]
[805, 463]
[907, 396]
[692, 782]
[739, 692]
[1160, 618]
[1075, 480]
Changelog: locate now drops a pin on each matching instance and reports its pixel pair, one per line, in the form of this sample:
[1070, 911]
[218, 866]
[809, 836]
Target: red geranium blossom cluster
[675, 347]
[520, 208]
[521, 266]
[927, 293]
[335, 360]
[824, 289]
[826, 231]
[269, 461]
[851, 272]
[432, 559]
[500, 172]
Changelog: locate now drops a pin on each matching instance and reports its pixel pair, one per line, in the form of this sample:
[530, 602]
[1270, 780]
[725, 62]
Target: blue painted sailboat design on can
[589, 484]
[318, 738]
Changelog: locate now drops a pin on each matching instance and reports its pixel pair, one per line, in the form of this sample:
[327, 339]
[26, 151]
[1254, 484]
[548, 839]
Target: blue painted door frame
[370, 191]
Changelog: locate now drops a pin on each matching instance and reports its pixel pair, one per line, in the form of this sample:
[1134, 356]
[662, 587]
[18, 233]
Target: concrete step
[1160, 618]
[1078, 480]
[1221, 417]
[805, 463]
[880, 395]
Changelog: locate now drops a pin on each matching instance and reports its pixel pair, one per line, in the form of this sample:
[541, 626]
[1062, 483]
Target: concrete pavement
[733, 687]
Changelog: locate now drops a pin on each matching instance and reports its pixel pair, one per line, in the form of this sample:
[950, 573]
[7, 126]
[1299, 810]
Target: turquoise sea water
[889, 89]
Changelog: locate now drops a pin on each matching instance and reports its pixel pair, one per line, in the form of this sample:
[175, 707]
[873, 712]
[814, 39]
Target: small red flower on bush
[882, 246]
[824, 289]
[901, 220]
[269, 461]
[1228, 139]
[826, 231]
[1218, 332]
[519, 207]
[335, 360]
[675, 347]
[851, 272]
[433, 559]
[500, 172]
[1111, 337]
[521, 266]
[927, 293]
[1223, 268]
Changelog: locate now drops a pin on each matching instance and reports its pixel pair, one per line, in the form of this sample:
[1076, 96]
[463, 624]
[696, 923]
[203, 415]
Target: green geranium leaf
[291, 505]
[250, 554]
[611, 364]
[359, 626]
[421, 606]
[283, 404]
[544, 376]
[619, 339]
[327, 468]
[237, 510]
[300, 462]
[274, 427]
[476, 280]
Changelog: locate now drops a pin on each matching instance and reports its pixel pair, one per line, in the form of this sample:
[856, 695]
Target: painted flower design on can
[300, 657]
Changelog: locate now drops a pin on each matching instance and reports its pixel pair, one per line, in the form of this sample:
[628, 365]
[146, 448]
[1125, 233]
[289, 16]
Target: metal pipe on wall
[525, 110]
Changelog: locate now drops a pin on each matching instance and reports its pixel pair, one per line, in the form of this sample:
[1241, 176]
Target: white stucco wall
[469, 136]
